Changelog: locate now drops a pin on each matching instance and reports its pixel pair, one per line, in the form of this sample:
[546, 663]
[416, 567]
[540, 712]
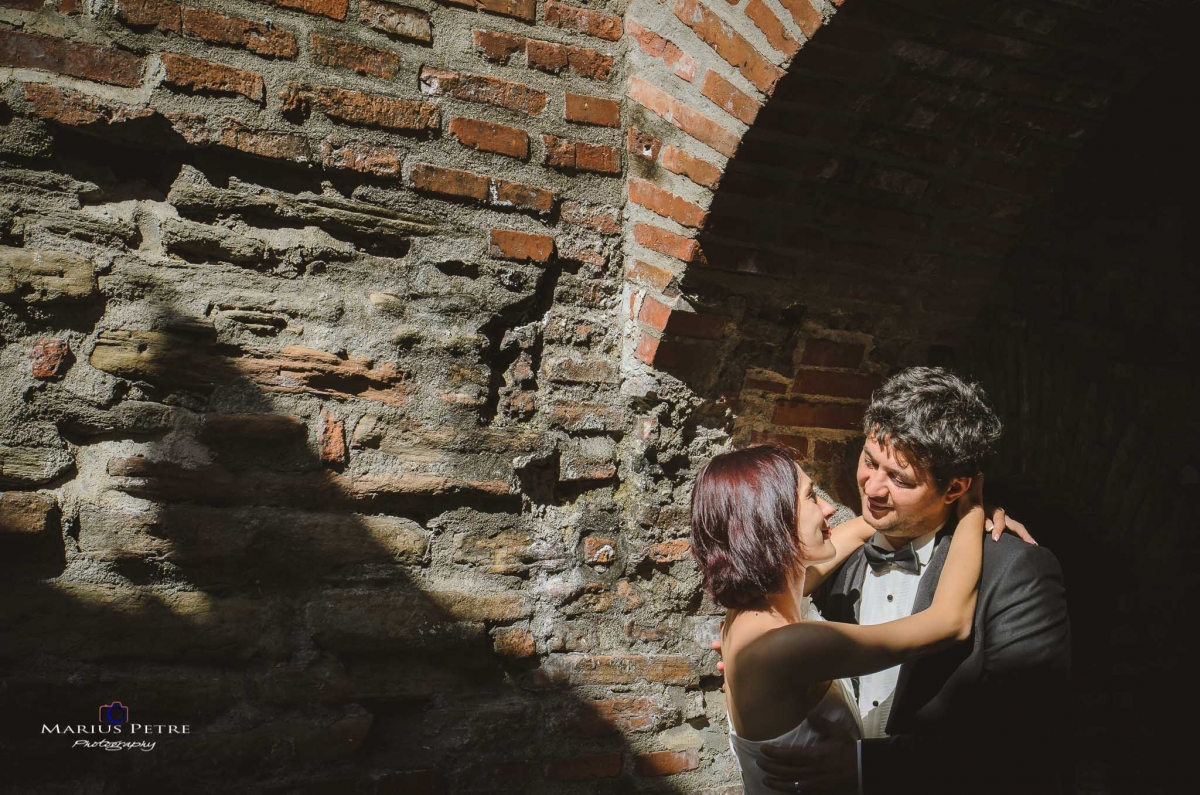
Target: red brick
[334, 9]
[617, 669]
[599, 551]
[498, 47]
[730, 98]
[737, 52]
[160, 14]
[580, 155]
[257, 37]
[654, 313]
[818, 415]
[823, 382]
[666, 204]
[584, 767]
[591, 23]
[546, 55]
[489, 137]
[597, 158]
[765, 385]
[624, 714]
[198, 75]
[265, 143]
[574, 416]
[481, 88]
[513, 642]
[575, 370]
[103, 64]
[683, 116]
[592, 110]
[699, 171]
[49, 358]
[552, 57]
[517, 9]
[510, 244]
[670, 551]
[449, 182]
[560, 153]
[400, 21]
[587, 62]
[361, 156]
[647, 348]
[649, 275]
[603, 219]
[520, 196]
[766, 21]
[76, 109]
[661, 317]
[361, 107]
[642, 144]
[797, 443]
[827, 353]
[656, 46]
[666, 763]
[331, 439]
[349, 55]
[808, 19]
[665, 242]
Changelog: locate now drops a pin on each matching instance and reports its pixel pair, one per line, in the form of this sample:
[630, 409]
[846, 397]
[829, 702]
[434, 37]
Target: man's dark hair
[937, 420]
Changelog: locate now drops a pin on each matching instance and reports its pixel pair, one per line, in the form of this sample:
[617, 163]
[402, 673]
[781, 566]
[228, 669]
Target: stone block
[38, 276]
[25, 467]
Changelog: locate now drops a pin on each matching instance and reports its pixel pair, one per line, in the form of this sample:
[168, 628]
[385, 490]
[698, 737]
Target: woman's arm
[816, 651]
[847, 537]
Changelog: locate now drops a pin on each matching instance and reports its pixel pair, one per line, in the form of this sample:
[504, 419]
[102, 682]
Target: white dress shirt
[887, 596]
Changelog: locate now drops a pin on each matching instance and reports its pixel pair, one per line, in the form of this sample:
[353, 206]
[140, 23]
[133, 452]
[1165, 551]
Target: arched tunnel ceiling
[896, 166]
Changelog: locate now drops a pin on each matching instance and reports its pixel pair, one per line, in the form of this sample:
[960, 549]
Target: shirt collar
[923, 546]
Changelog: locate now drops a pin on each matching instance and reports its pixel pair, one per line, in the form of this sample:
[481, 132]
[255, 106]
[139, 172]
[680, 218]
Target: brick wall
[358, 354]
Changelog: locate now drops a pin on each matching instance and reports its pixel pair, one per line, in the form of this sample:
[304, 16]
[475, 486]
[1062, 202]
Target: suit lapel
[928, 584]
[924, 598]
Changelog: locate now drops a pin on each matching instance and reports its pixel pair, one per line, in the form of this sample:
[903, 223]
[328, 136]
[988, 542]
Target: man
[986, 715]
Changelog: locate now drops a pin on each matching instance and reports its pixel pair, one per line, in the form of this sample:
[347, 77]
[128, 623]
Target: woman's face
[812, 529]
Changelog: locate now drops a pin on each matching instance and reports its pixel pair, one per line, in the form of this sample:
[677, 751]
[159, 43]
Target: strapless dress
[837, 705]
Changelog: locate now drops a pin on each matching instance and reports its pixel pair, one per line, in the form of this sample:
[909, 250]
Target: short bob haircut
[744, 524]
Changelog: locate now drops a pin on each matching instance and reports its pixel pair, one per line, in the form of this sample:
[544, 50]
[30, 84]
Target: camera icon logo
[115, 713]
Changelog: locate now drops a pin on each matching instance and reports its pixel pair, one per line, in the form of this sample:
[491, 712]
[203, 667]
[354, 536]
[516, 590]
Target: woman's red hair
[744, 524]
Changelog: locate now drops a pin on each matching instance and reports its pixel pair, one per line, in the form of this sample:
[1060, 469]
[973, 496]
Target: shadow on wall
[229, 566]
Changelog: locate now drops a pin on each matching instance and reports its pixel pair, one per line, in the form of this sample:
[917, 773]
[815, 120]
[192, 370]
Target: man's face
[899, 498]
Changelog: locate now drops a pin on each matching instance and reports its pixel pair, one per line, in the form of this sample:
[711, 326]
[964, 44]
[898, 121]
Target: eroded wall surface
[358, 355]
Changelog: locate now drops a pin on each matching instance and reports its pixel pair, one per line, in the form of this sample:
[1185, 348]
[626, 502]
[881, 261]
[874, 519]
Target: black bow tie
[903, 558]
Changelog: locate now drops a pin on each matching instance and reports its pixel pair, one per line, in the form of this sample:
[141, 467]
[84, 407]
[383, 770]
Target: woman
[760, 535]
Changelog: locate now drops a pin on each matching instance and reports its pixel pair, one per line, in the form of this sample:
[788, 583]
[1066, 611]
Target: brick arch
[700, 74]
[807, 213]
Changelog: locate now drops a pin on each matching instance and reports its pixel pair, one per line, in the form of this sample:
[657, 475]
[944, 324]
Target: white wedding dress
[837, 705]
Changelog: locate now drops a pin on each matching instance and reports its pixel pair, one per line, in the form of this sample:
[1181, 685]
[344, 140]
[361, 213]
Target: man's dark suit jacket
[988, 714]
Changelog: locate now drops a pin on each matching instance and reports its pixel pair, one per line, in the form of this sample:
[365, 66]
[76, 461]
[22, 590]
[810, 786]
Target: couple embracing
[898, 652]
